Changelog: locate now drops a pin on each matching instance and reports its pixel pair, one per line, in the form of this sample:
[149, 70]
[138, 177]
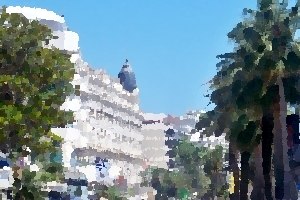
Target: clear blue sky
[171, 44]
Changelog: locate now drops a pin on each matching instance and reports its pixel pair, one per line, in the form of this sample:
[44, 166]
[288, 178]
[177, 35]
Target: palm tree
[281, 35]
[260, 80]
[273, 24]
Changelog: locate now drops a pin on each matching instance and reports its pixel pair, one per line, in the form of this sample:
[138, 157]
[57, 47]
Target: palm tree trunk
[278, 153]
[233, 154]
[285, 186]
[245, 171]
[258, 182]
[267, 141]
[290, 184]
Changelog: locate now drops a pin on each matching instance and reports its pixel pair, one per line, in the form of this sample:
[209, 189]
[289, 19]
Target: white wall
[67, 40]
[153, 145]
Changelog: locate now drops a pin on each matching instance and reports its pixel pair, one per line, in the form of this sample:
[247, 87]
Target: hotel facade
[104, 144]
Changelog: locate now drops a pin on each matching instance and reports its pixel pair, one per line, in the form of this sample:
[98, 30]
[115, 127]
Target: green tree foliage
[108, 192]
[30, 183]
[199, 169]
[33, 85]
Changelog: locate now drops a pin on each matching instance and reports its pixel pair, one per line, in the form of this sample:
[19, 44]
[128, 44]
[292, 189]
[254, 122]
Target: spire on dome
[127, 77]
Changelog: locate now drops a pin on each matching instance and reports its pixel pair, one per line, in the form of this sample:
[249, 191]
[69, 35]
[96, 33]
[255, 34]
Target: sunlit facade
[107, 127]
[153, 145]
[104, 144]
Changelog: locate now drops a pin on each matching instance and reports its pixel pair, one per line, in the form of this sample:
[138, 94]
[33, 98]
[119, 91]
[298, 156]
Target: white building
[107, 132]
[108, 127]
[67, 41]
[153, 145]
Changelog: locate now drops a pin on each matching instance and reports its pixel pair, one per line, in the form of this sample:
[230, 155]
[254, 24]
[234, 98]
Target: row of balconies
[106, 99]
[116, 114]
[115, 118]
[130, 110]
[115, 146]
[103, 131]
[115, 121]
[121, 136]
[101, 124]
[117, 137]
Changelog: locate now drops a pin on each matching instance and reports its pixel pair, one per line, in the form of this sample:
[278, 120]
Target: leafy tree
[29, 184]
[108, 192]
[199, 169]
[191, 160]
[214, 169]
[113, 193]
[33, 85]
[171, 143]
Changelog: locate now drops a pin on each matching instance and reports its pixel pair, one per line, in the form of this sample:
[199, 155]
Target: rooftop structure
[127, 77]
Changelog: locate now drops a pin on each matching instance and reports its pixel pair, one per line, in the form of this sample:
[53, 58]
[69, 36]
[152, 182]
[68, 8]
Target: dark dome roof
[127, 77]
